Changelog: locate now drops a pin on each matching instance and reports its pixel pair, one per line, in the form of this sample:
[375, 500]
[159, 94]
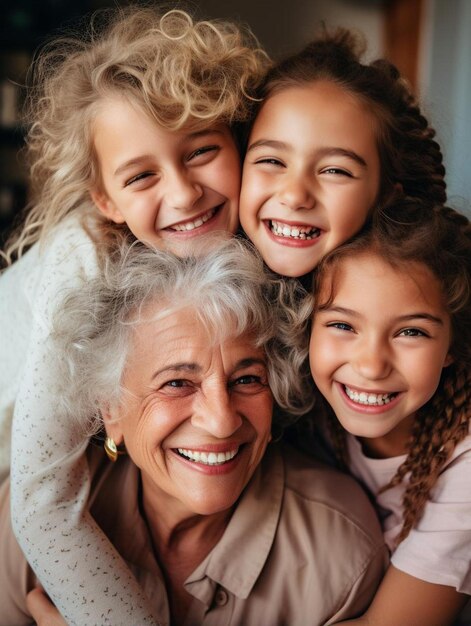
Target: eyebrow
[131, 163]
[178, 367]
[145, 158]
[323, 152]
[248, 362]
[420, 315]
[196, 368]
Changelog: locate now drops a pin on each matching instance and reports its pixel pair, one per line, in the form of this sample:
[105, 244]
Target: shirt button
[221, 597]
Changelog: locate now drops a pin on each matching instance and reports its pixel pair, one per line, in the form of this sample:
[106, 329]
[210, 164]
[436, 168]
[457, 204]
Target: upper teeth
[364, 397]
[298, 232]
[196, 223]
[208, 458]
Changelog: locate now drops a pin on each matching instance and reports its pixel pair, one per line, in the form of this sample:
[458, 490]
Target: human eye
[204, 153]
[337, 171]
[177, 387]
[138, 179]
[412, 332]
[340, 326]
[248, 383]
[270, 161]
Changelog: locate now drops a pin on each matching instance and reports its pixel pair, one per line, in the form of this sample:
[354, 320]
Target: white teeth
[372, 399]
[196, 223]
[210, 458]
[296, 232]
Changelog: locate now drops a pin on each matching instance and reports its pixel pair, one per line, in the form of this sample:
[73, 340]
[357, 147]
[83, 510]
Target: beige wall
[284, 25]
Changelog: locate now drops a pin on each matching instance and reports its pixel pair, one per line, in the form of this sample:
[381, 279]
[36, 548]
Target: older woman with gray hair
[183, 361]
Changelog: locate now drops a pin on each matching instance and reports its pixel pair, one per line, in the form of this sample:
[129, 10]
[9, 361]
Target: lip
[212, 224]
[211, 470]
[288, 241]
[365, 408]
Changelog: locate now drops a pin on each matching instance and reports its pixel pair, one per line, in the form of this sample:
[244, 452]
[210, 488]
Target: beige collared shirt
[303, 548]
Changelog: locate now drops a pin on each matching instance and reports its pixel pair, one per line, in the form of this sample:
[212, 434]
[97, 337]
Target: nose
[296, 192]
[215, 413]
[181, 191]
[372, 360]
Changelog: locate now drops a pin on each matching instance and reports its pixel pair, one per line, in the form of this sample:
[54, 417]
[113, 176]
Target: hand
[42, 610]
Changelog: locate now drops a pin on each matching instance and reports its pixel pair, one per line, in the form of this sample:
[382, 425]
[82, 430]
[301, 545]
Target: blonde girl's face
[169, 187]
[378, 349]
[311, 175]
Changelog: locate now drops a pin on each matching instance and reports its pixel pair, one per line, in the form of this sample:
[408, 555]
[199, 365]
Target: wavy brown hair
[182, 73]
[409, 155]
[439, 238]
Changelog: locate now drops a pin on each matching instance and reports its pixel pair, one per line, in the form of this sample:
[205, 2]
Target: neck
[181, 541]
[394, 443]
[175, 530]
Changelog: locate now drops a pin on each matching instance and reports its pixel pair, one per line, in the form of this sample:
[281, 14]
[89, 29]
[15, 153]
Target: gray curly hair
[232, 294]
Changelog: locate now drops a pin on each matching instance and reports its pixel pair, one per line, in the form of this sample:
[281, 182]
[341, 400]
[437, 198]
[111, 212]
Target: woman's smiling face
[311, 175]
[195, 417]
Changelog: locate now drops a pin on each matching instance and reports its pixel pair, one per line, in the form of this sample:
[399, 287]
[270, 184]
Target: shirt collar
[238, 558]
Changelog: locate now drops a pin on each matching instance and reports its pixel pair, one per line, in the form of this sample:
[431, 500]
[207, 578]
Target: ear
[106, 206]
[398, 188]
[112, 425]
[449, 359]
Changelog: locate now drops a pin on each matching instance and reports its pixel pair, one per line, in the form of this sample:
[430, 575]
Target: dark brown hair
[409, 155]
[439, 238]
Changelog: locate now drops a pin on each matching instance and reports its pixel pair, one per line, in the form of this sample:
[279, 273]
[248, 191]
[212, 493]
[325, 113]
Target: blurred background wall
[429, 40]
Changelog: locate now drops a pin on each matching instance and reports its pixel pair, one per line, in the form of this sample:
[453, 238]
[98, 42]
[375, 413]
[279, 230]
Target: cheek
[147, 434]
[261, 412]
[350, 218]
[228, 172]
[252, 188]
[324, 357]
[425, 376]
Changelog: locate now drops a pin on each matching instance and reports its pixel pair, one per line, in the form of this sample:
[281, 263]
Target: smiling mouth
[367, 398]
[281, 229]
[208, 458]
[197, 222]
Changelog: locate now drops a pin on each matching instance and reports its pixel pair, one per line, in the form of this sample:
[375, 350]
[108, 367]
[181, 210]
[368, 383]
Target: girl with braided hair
[390, 351]
[333, 139]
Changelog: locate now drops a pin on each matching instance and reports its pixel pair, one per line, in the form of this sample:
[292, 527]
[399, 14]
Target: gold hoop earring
[111, 449]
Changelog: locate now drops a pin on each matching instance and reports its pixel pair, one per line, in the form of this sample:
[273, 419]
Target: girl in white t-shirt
[129, 137]
[390, 351]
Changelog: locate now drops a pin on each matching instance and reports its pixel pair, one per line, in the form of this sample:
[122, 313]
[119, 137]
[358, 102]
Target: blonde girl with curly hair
[129, 137]
[390, 351]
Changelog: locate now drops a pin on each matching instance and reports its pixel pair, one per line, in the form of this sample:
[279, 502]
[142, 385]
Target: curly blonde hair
[182, 73]
[439, 238]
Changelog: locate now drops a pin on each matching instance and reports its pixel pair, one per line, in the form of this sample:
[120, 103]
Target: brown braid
[439, 238]
[440, 426]
[410, 157]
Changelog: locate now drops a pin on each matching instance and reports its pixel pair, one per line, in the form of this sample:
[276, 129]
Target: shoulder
[70, 243]
[329, 541]
[332, 518]
[313, 485]
[438, 548]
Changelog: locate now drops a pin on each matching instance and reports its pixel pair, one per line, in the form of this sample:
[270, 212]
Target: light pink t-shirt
[438, 549]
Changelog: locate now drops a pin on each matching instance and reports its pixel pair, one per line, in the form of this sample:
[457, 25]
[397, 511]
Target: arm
[403, 599]
[79, 568]
[42, 610]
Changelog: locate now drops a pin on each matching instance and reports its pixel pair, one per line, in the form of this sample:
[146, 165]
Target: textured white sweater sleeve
[77, 565]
